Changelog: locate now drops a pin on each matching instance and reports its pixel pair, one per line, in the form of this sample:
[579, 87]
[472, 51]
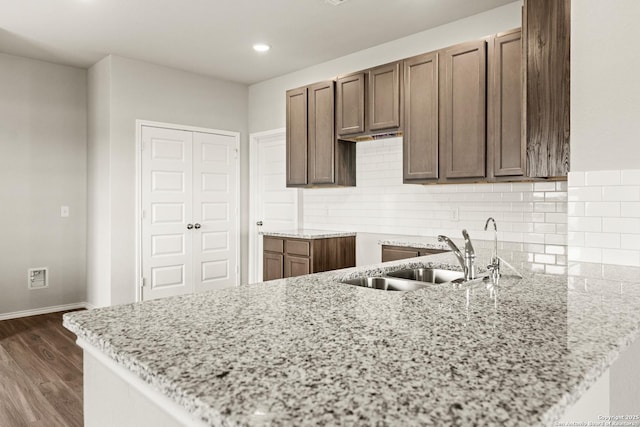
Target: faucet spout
[495, 260]
[467, 260]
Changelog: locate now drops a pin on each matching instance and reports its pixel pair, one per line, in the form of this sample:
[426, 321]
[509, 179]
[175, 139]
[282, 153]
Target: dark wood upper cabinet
[420, 143]
[547, 31]
[384, 97]
[350, 104]
[314, 155]
[463, 110]
[505, 133]
[322, 141]
[296, 139]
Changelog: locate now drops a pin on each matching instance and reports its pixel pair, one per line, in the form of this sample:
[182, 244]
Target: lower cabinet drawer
[273, 244]
[297, 247]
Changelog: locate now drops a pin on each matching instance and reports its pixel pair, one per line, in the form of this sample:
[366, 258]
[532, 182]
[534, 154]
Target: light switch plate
[64, 211]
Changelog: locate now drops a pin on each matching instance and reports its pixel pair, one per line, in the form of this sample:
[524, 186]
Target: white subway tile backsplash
[575, 208]
[577, 253]
[621, 225]
[613, 199]
[585, 194]
[630, 209]
[631, 177]
[544, 186]
[608, 177]
[602, 240]
[627, 193]
[611, 209]
[620, 257]
[630, 242]
[577, 223]
[575, 179]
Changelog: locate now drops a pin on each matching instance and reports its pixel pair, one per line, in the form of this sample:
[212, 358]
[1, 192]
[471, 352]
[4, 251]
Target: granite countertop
[420, 243]
[313, 351]
[307, 234]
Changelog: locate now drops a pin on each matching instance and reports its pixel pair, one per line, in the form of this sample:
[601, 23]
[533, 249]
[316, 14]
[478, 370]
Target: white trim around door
[138, 183]
[255, 242]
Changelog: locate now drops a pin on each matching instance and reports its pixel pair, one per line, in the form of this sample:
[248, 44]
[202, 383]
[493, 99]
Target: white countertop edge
[178, 412]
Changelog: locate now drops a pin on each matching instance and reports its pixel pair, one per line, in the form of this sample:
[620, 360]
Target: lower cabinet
[394, 253]
[289, 257]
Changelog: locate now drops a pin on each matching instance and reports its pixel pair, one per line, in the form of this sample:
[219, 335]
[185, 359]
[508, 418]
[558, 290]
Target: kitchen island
[313, 351]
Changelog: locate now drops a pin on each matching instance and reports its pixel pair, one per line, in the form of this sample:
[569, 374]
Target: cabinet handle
[189, 226]
[197, 226]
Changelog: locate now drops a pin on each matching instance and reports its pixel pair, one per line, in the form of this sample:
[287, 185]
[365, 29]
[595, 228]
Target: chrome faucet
[494, 266]
[467, 261]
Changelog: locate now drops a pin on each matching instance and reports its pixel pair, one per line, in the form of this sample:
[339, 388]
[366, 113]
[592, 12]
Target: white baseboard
[45, 310]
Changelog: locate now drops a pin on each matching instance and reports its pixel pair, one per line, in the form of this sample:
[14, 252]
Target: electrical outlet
[64, 211]
[455, 214]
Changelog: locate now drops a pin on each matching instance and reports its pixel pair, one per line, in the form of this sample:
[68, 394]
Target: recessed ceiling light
[261, 47]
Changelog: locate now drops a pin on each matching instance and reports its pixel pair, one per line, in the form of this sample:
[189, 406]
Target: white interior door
[274, 206]
[189, 238]
[215, 192]
[166, 211]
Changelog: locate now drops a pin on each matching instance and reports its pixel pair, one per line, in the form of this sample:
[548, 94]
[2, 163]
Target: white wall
[140, 90]
[42, 166]
[604, 182]
[267, 99]
[605, 89]
[99, 196]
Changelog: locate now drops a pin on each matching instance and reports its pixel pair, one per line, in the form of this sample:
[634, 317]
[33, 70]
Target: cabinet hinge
[235, 153]
[142, 282]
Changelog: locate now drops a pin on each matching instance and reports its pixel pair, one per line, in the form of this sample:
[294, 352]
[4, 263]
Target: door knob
[189, 226]
[197, 225]
[259, 223]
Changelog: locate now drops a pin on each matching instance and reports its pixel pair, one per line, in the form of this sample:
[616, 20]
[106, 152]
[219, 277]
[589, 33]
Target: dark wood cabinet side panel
[384, 97]
[345, 163]
[350, 117]
[547, 47]
[321, 133]
[463, 110]
[296, 137]
[505, 133]
[272, 266]
[420, 142]
[339, 252]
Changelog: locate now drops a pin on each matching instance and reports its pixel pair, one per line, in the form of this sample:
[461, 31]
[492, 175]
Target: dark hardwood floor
[40, 373]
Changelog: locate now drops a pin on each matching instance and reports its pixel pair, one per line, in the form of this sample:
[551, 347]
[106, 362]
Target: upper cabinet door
[322, 140]
[420, 143]
[297, 137]
[350, 104]
[384, 97]
[547, 35]
[463, 110]
[505, 132]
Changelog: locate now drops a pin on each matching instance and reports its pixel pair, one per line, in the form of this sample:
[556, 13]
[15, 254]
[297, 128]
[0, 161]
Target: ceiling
[214, 37]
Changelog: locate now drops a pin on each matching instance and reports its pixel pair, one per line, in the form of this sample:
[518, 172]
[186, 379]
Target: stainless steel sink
[386, 283]
[428, 275]
[408, 280]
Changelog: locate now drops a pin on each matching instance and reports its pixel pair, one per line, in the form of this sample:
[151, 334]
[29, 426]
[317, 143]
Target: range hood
[371, 137]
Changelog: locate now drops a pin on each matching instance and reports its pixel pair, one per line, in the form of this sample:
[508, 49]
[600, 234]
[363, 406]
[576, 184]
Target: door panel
[463, 112]
[420, 143]
[166, 195]
[322, 140]
[350, 104]
[297, 137]
[384, 97]
[214, 209]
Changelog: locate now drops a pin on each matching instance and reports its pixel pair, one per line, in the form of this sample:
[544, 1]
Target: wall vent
[38, 278]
